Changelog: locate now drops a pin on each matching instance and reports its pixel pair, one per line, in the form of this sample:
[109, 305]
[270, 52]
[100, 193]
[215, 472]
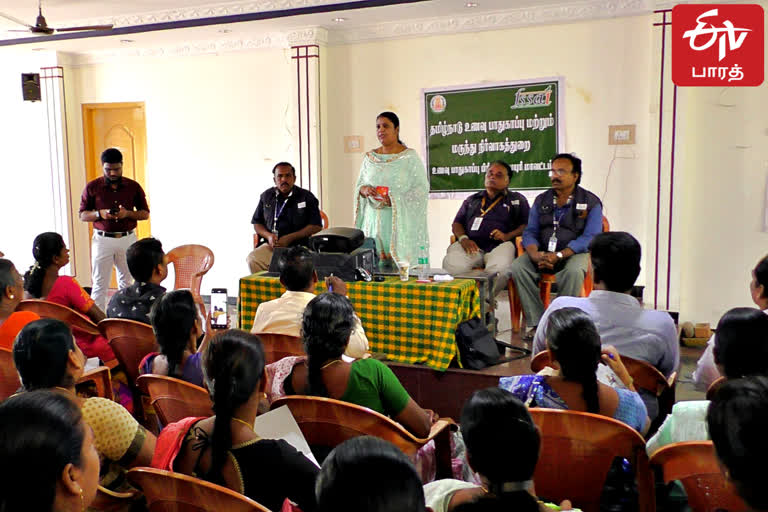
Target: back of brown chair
[100, 378]
[131, 341]
[9, 377]
[328, 422]
[168, 491]
[190, 263]
[111, 501]
[712, 389]
[577, 450]
[278, 346]
[47, 309]
[175, 399]
[695, 464]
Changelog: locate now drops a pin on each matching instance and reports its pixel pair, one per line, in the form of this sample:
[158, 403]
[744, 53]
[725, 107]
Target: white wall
[215, 127]
[26, 202]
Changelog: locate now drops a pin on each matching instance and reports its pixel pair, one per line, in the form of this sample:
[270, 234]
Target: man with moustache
[561, 225]
[286, 215]
[486, 226]
[114, 204]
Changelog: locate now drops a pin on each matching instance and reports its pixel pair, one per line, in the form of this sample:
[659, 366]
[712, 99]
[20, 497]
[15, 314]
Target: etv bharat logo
[717, 45]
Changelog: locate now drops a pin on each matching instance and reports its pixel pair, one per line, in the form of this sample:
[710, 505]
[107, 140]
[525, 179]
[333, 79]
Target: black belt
[114, 234]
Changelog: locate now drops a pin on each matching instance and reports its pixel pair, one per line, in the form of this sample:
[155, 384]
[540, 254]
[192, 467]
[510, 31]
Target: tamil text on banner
[469, 127]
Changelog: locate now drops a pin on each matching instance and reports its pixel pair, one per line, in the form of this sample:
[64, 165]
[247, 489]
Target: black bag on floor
[477, 348]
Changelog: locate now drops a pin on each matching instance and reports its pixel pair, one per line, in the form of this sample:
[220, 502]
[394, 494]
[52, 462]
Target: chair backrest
[278, 346]
[167, 491]
[111, 501]
[47, 309]
[175, 399]
[712, 389]
[644, 375]
[577, 449]
[101, 379]
[694, 463]
[327, 422]
[9, 377]
[130, 341]
[190, 263]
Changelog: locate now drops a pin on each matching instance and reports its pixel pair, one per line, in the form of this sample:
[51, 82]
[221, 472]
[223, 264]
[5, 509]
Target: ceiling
[460, 16]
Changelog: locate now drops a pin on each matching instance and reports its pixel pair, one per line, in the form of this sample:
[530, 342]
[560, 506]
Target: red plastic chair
[545, 285]
[577, 449]
[694, 464]
[278, 346]
[190, 264]
[9, 377]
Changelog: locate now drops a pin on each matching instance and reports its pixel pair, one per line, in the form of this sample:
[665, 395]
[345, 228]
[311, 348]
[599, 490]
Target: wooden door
[121, 126]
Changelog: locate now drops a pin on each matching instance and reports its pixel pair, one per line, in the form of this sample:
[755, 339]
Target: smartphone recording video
[219, 308]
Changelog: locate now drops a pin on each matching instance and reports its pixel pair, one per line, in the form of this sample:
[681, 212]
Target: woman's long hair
[173, 316]
[575, 344]
[233, 367]
[489, 420]
[326, 327]
[45, 247]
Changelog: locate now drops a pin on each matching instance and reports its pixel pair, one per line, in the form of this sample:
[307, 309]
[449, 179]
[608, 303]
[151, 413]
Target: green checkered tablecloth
[409, 322]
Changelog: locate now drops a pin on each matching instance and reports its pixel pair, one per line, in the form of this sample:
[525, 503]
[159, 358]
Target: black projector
[344, 240]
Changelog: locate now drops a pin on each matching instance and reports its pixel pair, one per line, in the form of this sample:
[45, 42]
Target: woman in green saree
[391, 196]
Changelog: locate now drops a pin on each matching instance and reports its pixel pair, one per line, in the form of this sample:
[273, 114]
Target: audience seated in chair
[574, 343]
[50, 462]
[149, 267]
[370, 474]
[177, 328]
[47, 357]
[489, 419]
[738, 420]
[486, 226]
[707, 370]
[646, 335]
[284, 315]
[740, 350]
[224, 449]
[42, 281]
[11, 293]
[327, 326]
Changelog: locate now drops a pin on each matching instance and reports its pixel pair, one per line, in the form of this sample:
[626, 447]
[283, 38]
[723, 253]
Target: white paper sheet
[280, 424]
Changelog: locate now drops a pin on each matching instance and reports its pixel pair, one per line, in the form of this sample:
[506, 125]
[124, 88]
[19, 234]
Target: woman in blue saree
[391, 196]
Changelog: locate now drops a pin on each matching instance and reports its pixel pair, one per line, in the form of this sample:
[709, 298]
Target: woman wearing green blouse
[326, 327]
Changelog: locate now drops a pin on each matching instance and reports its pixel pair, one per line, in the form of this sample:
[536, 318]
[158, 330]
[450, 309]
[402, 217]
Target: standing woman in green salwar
[391, 196]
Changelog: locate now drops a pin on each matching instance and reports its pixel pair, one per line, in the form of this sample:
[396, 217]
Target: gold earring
[82, 499]
[12, 296]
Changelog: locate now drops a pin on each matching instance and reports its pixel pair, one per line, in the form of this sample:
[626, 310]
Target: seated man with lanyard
[561, 225]
[486, 226]
[287, 215]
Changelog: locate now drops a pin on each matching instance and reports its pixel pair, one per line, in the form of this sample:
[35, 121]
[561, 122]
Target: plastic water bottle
[423, 264]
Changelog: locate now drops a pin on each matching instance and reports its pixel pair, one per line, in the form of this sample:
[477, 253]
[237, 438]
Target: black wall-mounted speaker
[30, 86]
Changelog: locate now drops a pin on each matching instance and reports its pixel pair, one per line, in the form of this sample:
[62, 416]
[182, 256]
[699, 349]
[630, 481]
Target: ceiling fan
[41, 26]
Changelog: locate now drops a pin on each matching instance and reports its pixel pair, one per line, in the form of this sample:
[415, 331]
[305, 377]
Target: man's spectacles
[558, 172]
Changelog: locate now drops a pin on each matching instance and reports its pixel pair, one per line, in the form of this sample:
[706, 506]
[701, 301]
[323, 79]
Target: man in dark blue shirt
[486, 226]
[287, 215]
[561, 224]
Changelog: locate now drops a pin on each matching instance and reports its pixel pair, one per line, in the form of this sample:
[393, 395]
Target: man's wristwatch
[559, 255]
[463, 237]
[98, 214]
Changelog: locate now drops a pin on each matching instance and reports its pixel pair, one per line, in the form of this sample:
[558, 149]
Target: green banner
[468, 128]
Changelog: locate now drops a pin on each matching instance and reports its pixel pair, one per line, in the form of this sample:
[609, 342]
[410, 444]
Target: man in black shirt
[287, 215]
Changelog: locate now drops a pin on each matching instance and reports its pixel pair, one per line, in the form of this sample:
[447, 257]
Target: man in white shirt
[647, 335]
[284, 315]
